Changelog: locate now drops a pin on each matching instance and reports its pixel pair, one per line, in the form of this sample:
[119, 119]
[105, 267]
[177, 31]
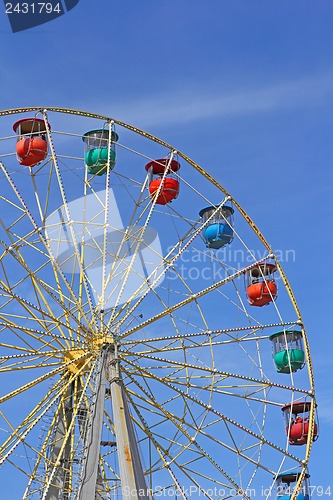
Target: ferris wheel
[151, 345]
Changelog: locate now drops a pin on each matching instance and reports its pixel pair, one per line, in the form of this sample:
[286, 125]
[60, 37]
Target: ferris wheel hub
[77, 360]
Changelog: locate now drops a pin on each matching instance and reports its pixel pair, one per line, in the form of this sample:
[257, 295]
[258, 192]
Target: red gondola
[31, 145]
[169, 186]
[261, 287]
[297, 422]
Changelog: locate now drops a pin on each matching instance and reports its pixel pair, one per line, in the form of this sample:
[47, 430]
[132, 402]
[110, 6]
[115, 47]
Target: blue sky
[243, 87]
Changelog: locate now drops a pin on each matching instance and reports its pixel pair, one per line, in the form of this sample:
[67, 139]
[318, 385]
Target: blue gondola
[285, 483]
[219, 231]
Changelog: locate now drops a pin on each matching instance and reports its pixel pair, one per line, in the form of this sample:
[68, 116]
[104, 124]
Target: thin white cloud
[185, 105]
